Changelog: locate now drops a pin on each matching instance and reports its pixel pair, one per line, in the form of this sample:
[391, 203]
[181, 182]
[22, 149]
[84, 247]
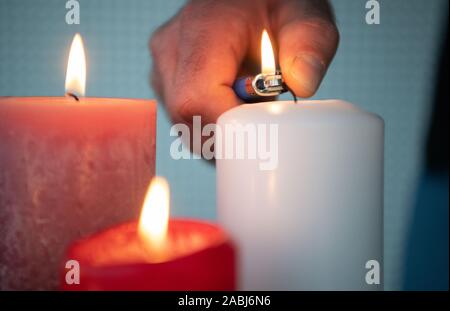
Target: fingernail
[308, 71]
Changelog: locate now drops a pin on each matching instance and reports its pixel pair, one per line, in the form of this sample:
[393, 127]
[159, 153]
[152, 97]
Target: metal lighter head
[269, 84]
[255, 88]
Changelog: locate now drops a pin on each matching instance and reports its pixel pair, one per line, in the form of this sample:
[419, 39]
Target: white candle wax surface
[315, 220]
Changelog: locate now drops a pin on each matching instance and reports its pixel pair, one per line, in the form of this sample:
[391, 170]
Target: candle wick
[292, 93]
[74, 96]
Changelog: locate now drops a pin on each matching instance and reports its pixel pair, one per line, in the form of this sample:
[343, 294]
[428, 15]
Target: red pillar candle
[68, 168]
[179, 254]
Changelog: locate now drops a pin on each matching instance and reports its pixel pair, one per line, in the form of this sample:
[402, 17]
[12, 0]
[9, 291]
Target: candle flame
[76, 68]
[154, 219]
[267, 56]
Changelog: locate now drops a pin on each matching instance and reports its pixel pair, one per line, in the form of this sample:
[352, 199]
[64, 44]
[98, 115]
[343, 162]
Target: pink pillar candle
[67, 169]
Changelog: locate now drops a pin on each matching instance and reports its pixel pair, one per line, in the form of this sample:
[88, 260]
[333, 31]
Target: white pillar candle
[314, 221]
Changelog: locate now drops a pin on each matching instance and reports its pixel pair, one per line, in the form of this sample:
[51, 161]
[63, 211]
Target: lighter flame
[76, 68]
[154, 219]
[267, 56]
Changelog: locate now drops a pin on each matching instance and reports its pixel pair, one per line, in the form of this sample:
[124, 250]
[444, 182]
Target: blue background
[387, 68]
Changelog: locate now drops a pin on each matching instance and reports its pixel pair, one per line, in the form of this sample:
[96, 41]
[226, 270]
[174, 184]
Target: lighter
[255, 88]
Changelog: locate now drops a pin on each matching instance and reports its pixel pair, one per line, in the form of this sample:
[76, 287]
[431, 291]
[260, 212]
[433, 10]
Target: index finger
[210, 52]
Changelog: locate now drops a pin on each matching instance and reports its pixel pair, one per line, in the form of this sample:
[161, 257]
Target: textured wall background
[387, 69]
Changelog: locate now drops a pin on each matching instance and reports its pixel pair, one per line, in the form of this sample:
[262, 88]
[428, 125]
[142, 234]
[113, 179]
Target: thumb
[308, 39]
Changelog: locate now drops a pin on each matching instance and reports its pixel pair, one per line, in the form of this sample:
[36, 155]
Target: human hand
[200, 52]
